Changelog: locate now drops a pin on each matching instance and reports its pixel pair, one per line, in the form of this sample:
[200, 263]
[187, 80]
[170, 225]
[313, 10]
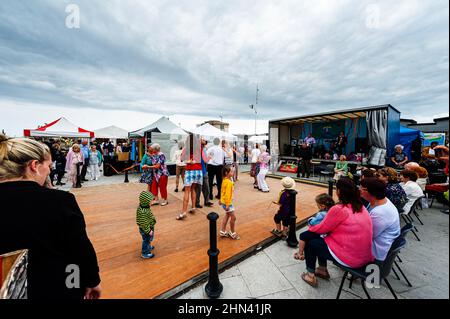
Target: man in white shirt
[411, 188]
[254, 155]
[384, 215]
[215, 166]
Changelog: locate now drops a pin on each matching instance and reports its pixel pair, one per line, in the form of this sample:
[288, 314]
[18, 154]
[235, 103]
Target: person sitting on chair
[399, 158]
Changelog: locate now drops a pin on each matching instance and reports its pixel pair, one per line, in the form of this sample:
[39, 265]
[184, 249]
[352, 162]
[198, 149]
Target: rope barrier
[126, 169]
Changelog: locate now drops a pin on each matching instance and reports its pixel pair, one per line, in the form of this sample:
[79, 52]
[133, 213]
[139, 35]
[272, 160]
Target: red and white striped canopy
[59, 128]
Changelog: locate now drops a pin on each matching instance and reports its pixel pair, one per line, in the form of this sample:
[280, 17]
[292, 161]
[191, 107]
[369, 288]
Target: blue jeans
[146, 241]
[316, 250]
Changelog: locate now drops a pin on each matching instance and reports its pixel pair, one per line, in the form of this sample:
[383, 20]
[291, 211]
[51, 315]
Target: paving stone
[262, 276]
[285, 294]
[230, 272]
[281, 254]
[325, 290]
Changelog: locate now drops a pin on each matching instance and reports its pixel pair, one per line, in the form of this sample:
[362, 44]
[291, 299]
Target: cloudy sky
[130, 62]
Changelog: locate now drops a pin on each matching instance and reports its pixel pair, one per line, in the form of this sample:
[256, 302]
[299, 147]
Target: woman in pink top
[346, 235]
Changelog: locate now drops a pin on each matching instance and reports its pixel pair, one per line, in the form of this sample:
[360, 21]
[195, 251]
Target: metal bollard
[213, 288]
[126, 177]
[330, 187]
[292, 237]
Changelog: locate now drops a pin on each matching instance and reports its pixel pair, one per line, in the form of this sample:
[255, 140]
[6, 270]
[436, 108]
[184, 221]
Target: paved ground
[273, 273]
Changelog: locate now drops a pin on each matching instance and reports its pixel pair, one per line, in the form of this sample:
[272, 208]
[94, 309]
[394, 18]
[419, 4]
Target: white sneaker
[96, 178]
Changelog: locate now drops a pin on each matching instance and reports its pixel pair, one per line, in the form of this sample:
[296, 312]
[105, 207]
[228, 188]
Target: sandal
[298, 256]
[323, 275]
[312, 281]
[276, 232]
[223, 233]
[192, 211]
[181, 216]
[234, 235]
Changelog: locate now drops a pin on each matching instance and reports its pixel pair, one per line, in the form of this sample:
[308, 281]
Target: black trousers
[316, 249]
[304, 167]
[214, 171]
[84, 169]
[59, 175]
[204, 188]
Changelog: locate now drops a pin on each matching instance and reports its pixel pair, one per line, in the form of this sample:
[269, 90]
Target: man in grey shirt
[385, 217]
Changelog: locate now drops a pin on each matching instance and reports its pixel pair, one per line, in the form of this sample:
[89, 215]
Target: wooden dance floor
[180, 246]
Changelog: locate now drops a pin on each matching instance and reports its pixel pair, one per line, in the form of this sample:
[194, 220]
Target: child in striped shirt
[146, 222]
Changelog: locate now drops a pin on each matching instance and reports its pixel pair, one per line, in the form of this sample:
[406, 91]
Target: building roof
[408, 120]
[334, 115]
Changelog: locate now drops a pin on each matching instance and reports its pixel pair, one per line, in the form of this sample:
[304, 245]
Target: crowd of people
[80, 160]
[359, 229]
[202, 170]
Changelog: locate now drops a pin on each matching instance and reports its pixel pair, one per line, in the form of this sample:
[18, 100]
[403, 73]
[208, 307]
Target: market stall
[59, 128]
[164, 132]
[112, 133]
[120, 161]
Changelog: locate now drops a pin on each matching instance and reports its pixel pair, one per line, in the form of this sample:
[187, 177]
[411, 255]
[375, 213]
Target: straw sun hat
[288, 183]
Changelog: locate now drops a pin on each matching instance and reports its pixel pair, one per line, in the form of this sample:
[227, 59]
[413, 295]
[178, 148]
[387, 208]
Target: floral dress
[147, 174]
[159, 158]
[396, 194]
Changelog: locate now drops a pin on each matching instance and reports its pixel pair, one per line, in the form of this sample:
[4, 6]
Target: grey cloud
[205, 58]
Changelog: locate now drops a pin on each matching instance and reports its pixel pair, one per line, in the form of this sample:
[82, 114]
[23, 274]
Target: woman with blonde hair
[46, 222]
[74, 161]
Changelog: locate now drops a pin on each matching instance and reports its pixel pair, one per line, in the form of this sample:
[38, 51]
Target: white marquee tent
[258, 138]
[59, 128]
[209, 132]
[163, 125]
[165, 133]
[111, 132]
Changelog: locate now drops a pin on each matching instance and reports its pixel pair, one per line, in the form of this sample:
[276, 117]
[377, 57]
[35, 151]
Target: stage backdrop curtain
[377, 135]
